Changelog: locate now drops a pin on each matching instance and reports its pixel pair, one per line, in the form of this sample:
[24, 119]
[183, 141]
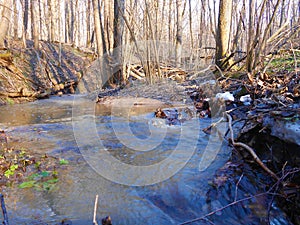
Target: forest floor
[265, 109]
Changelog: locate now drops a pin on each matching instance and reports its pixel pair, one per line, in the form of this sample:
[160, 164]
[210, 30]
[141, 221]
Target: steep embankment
[27, 74]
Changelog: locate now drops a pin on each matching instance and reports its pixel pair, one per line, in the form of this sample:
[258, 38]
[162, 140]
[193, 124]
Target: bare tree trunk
[41, 20]
[76, 24]
[34, 24]
[5, 20]
[282, 14]
[97, 25]
[88, 26]
[223, 33]
[25, 18]
[178, 33]
[15, 20]
[119, 7]
[170, 22]
[212, 19]
[72, 23]
[67, 21]
[250, 42]
[191, 23]
[51, 9]
[162, 27]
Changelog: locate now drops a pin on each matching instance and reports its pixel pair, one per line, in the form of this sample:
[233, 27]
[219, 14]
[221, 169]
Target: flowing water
[51, 126]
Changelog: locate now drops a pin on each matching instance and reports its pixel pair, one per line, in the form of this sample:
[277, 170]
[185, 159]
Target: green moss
[285, 62]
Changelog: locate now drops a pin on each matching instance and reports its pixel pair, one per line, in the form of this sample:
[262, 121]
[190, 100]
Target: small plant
[63, 162]
[11, 171]
[44, 180]
[37, 171]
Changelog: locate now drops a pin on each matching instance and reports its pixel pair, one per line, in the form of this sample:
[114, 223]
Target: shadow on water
[46, 127]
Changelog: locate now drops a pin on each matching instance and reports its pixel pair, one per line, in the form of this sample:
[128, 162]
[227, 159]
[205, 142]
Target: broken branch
[249, 149]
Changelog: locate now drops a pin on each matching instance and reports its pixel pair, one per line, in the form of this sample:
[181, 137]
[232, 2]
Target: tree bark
[15, 20]
[88, 26]
[250, 42]
[5, 20]
[170, 22]
[25, 18]
[97, 25]
[178, 32]
[223, 33]
[34, 24]
[119, 6]
[67, 21]
[51, 6]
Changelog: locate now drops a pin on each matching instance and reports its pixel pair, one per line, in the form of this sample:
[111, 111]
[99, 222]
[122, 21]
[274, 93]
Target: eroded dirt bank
[29, 74]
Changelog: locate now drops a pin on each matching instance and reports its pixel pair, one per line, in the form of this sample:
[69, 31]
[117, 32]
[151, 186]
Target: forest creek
[268, 124]
[149, 112]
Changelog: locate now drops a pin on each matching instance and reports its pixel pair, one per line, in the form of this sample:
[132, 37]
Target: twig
[208, 129]
[95, 211]
[222, 208]
[280, 180]
[237, 186]
[249, 149]
[4, 212]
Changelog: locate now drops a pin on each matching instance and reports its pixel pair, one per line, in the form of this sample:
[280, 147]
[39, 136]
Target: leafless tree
[34, 23]
[5, 21]
[223, 33]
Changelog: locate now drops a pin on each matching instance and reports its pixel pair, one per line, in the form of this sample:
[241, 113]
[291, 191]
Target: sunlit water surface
[45, 126]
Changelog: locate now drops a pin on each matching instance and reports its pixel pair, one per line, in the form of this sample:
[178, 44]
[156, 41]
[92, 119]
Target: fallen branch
[4, 212]
[249, 149]
[131, 73]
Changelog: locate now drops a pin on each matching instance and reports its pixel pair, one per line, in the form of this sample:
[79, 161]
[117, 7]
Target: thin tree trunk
[97, 25]
[5, 20]
[88, 26]
[178, 33]
[67, 21]
[25, 18]
[250, 44]
[51, 20]
[170, 22]
[34, 24]
[15, 20]
[191, 23]
[282, 14]
[72, 22]
[223, 33]
[119, 6]
[40, 20]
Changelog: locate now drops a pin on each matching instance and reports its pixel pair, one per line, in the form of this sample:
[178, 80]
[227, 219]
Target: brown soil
[27, 74]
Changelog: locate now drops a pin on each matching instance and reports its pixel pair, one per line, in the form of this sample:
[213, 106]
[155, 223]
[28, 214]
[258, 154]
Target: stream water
[47, 126]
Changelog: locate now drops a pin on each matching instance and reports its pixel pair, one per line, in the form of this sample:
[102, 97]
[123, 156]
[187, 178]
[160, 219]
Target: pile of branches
[136, 71]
